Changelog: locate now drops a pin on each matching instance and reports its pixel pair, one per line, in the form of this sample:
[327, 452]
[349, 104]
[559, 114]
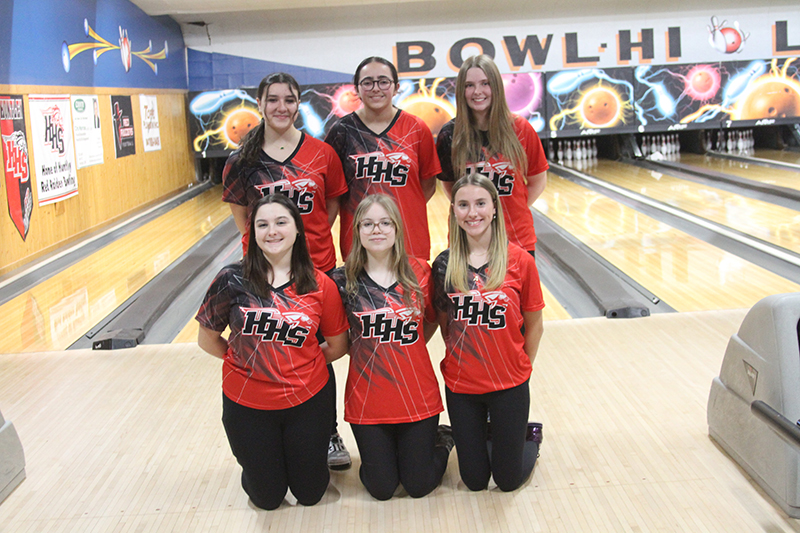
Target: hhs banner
[51, 132]
[15, 158]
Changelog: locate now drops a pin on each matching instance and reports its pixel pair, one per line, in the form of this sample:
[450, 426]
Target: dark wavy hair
[258, 270]
[252, 142]
[374, 59]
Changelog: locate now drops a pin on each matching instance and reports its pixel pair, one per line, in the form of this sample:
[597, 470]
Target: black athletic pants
[512, 457]
[280, 449]
[400, 453]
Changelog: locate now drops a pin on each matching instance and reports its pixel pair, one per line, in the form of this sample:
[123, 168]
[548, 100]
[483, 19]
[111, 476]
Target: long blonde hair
[467, 143]
[357, 258]
[458, 263]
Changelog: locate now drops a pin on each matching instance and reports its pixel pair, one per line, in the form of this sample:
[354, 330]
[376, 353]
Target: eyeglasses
[368, 83]
[368, 226]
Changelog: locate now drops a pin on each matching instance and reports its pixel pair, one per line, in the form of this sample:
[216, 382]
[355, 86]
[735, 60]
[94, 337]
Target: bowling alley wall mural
[97, 43]
[586, 101]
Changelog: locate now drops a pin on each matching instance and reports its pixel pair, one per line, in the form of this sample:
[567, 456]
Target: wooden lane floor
[133, 442]
[784, 156]
[438, 209]
[769, 222]
[56, 312]
[687, 273]
[771, 176]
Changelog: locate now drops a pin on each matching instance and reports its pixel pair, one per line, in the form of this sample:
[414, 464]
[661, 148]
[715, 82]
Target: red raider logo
[501, 174]
[481, 308]
[289, 328]
[389, 325]
[54, 129]
[383, 168]
[17, 156]
[301, 192]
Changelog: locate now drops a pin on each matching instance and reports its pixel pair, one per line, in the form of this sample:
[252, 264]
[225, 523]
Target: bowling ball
[431, 114]
[520, 90]
[702, 82]
[239, 123]
[599, 107]
[348, 102]
[733, 39]
[773, 99]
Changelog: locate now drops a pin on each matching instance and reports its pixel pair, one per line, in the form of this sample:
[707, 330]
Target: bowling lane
[761, 174]
[685, 272]
[56, 312]
[772, 223]
[784, 156]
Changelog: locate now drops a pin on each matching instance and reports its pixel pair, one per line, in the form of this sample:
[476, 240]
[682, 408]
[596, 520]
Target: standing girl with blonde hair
[486, 139]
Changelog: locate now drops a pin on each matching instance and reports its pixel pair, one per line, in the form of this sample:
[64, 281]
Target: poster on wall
[122, 123]
[51, 133]
[86, 128]
[148, 105]
[15, 158]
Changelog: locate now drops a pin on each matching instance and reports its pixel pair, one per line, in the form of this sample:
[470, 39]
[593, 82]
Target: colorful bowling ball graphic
[521, 92]
[599, 107]
[239, 123]
[701, 82]
[773, 99]
[433, 114]
[347, 101]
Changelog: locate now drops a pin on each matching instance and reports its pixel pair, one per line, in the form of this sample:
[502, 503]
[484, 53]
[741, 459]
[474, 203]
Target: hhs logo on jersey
[389, 325]
[481, 309]
[301, 192]
[288, 328]
[383, 168]
[500, 173]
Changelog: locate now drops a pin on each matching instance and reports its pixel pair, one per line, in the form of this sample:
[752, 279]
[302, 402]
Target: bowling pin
[569, 151]
[578, 150]
[560, 153]
[645, 147]
[594, 148]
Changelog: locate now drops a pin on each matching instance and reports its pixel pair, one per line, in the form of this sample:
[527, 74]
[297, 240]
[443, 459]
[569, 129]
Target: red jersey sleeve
[214, 312]
[234, 190]
[531, 298]
[333, 320]
[429, 166]
[335, 183]
[537, 160]
[423, 272]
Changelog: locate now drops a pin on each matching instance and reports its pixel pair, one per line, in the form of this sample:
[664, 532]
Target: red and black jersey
[391, 378]
[485, 346]
[393, 162]
[510, 182]
[274, 360]
[310, 176]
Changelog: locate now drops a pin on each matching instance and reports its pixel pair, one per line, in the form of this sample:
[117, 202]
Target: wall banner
[51, 132]
[86, 127]
[122, 122]
[15, 158]
[148, 105]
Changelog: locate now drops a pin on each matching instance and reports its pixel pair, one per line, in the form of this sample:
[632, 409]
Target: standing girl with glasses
[276, 157]
[276, 405]
[385, 150]
[486, 139]
[487, 294]
[392, 398]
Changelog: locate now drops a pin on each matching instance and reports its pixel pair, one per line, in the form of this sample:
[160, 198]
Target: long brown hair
[458, 263]
[258, 270]
[357, 258]
[254, 140]
[467, 143]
